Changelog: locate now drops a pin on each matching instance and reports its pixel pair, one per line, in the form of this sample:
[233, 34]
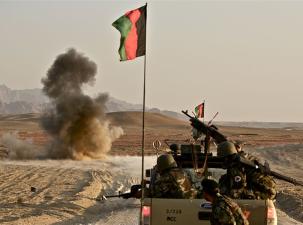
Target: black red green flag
[132, 26]
[199, 110]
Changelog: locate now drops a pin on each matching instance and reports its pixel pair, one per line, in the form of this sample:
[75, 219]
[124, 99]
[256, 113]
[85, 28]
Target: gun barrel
[112, 196]
[286, 178]
[272, 173]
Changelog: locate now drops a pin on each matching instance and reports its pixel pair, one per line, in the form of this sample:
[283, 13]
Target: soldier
[239, 147]
[224, 210]
[233, 183]
[173, 181]
[242, 182]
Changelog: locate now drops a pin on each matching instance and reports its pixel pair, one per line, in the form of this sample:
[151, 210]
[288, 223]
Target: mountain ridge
[34, 101]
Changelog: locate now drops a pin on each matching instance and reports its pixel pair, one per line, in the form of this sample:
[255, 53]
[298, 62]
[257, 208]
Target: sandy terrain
[65, 192]
[68, 192]
[287, 160]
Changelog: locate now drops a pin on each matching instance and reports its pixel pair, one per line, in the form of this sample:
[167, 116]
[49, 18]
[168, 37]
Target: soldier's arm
[223, 216]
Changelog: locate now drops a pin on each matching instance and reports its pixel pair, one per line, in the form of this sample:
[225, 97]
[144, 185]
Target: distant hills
[152, 120]
[34, 101]
[21, 101]
[268, 125]
[34, 96]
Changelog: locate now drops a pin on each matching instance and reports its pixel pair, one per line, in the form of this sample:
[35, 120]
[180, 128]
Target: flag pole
[143, 142]
[143, 128]
[122, 24]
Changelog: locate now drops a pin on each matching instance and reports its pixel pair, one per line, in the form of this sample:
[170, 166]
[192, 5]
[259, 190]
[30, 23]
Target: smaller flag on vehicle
[199, 110]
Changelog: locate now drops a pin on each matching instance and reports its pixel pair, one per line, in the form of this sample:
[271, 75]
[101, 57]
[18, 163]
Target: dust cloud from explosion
[77, 122]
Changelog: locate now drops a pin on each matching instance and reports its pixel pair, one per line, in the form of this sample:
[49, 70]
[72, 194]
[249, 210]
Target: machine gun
[210, 130]
[217, 162]
[135, 191]
[266, 170]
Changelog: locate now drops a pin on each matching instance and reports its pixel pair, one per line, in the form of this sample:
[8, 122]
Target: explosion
[77, 122]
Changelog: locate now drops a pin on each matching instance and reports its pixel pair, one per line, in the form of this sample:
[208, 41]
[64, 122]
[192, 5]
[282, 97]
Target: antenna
[209, 123]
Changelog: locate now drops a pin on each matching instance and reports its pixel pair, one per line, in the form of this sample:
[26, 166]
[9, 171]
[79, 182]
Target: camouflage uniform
[243, 182]
[173, 183]
[239, 183]
[234, 184]
[263, 185]
[226, 212]
[248, 156]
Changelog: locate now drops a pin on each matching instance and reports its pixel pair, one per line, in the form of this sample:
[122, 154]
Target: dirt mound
[288, 156]
[286, 160]
[290, 201]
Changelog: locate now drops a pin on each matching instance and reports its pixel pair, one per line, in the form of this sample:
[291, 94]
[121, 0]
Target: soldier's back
[234, 184]
[174, 183]
[227, 212]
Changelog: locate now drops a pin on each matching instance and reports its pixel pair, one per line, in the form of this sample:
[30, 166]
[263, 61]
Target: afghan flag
[132, 26]
[199, 110]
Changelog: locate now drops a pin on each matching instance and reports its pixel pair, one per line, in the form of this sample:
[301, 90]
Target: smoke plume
[20, 149]
[77, 122]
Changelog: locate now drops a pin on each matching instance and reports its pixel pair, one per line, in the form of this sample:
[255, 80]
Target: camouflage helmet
[165, 162]
[226, 148]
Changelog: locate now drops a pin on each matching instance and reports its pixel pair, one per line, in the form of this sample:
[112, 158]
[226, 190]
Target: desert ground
[39, 190]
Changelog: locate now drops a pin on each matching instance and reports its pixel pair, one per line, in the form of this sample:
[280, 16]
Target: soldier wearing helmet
[234, 182]
[173, 181]
[240, 181]
[239, 146]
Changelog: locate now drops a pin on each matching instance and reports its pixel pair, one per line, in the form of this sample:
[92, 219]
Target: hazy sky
[244, 58]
